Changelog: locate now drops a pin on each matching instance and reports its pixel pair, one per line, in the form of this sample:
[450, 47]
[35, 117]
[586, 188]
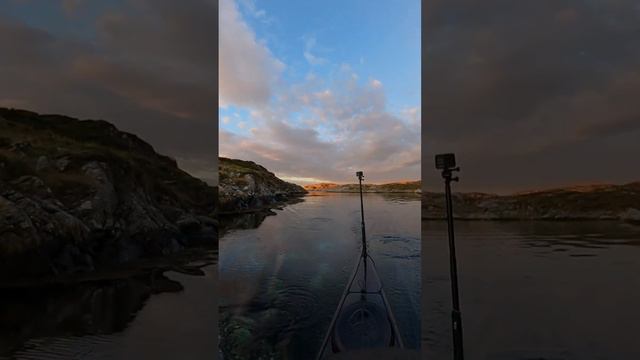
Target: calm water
[148, 316]
[281, 281]
[535, 290]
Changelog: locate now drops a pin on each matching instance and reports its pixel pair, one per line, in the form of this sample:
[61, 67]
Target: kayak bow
[363, 319]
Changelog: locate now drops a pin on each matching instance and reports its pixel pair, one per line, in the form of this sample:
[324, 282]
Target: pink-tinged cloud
[247, 69]
[350, 130]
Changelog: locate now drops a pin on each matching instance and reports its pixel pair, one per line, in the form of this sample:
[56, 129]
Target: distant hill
[78, 195]
[585, 202]
[246, 186]
[396, 187]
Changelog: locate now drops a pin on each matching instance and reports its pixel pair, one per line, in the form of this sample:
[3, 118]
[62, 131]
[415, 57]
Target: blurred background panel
[538, 101]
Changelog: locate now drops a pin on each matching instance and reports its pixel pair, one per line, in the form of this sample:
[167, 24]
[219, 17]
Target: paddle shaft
[456, 317]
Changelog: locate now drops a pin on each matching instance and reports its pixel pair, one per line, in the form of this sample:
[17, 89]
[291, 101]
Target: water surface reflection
[539, 289]
[154, 313]
[282, 280]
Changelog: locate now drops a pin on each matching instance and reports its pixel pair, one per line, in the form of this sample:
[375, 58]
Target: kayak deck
[363, 318]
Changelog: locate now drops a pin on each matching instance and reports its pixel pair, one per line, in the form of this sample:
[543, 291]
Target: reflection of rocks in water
[576, 235]
[400, 197]
[100, 307]
[250, 220]
[243, 221]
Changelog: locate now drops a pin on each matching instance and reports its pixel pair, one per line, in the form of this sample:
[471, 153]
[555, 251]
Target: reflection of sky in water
[551, 290]
[299, 262]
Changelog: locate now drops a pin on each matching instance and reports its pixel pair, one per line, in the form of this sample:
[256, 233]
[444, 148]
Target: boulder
[42, 164]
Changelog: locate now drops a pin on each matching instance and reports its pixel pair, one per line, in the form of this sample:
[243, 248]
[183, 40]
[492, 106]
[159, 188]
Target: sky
[532, 94]
[528, 95]
[316, 90]
[147, 66]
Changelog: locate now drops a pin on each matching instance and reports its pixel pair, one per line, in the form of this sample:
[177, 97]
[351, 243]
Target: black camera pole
[360, 176]
[364, 255]
[458, 353]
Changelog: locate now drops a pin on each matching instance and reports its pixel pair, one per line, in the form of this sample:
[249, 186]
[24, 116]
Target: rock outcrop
[246, 186]
[78, 196]
[596, 202]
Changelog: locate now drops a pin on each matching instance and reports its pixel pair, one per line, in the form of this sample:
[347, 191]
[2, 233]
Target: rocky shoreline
[597, 202]
[390, 188]
[80, 196]
[247, 187]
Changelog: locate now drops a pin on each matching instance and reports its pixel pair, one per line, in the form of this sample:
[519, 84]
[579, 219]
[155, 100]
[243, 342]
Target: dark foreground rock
[246, 187]
[77, 196]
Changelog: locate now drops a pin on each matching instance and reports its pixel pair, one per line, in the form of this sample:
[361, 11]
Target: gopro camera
[445, 161]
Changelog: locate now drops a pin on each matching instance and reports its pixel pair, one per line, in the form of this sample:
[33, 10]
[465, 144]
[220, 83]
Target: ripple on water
[386, 239]
[399, 247]
[280, 314]
[315, 242]
[74, 347]
[299, 302]
[312, 224]
[402, 257]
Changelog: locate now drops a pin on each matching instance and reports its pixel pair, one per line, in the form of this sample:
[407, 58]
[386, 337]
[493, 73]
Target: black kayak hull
[363, 319]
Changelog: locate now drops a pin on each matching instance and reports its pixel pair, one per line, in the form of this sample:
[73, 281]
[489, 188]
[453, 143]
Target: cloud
[309, 47]
[528, 94]
[350, 130]
[325, 130]
[146, 67]
[146, 88]
[320, 129]
[252, 9]
[71, 6]
[247, 69]
[412, 115]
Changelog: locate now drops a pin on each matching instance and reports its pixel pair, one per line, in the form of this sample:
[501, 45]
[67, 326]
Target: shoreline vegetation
[81, 200]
